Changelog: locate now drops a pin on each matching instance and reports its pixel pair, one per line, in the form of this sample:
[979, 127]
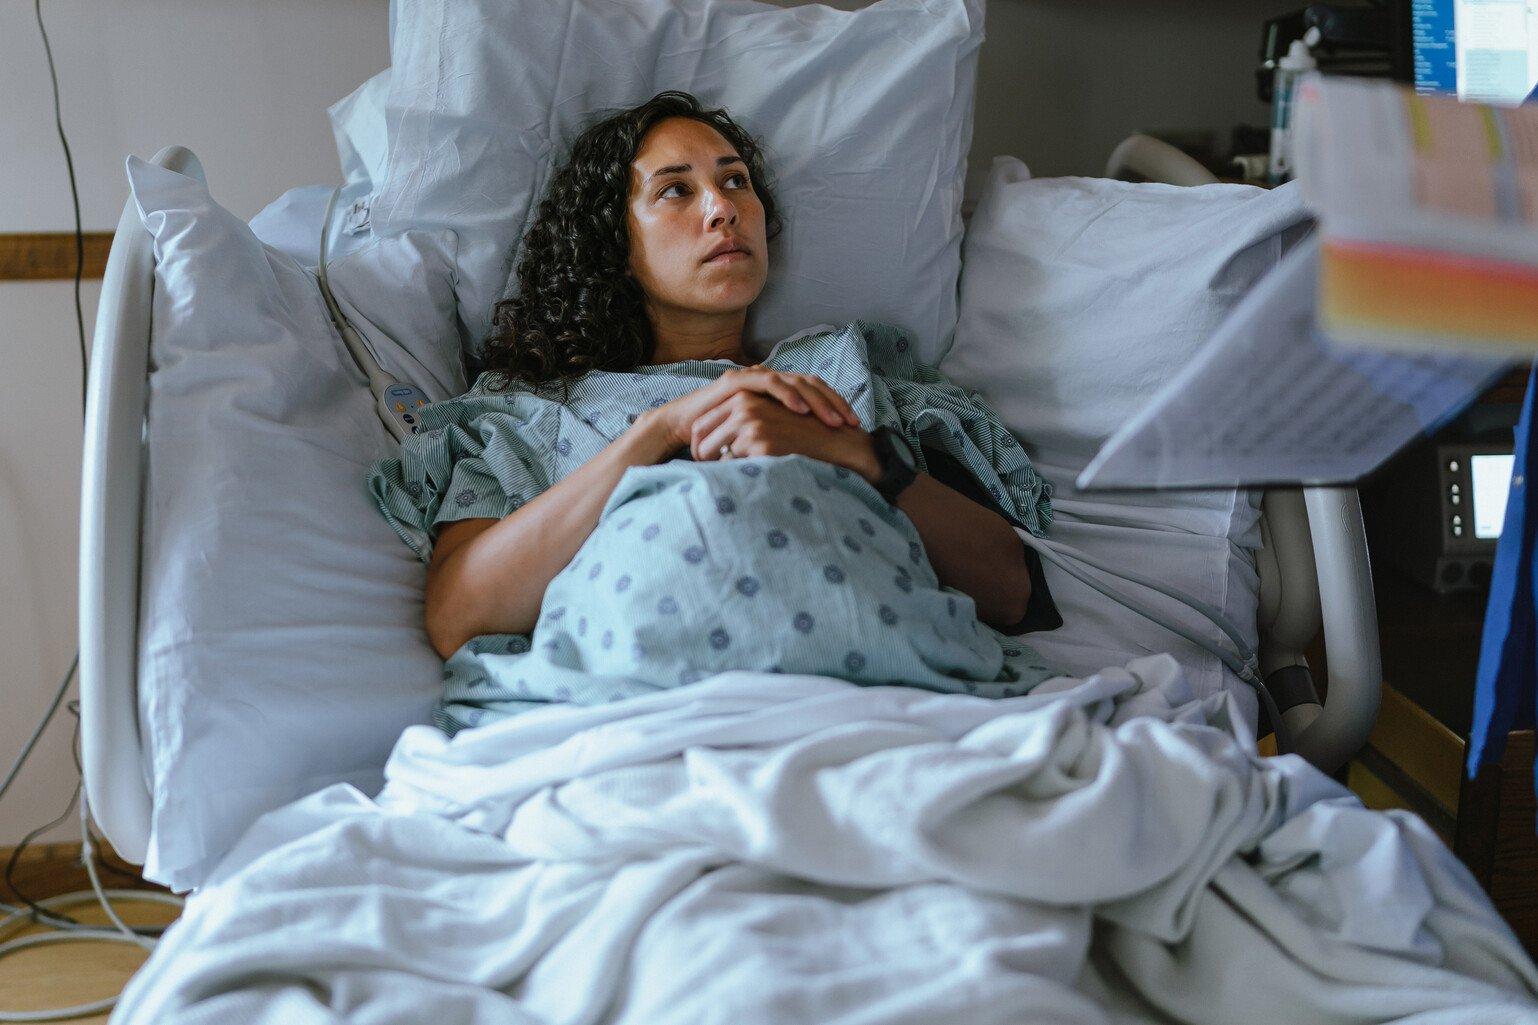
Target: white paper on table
[1269, 400]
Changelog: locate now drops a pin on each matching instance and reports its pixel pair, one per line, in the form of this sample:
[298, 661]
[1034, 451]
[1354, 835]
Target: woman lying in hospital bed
[752, 848]
[621, 504]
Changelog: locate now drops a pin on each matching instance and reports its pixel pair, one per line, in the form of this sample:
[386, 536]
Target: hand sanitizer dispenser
[1289, 70]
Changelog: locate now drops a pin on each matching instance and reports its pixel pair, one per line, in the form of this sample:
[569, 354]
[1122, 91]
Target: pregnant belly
[783, 564]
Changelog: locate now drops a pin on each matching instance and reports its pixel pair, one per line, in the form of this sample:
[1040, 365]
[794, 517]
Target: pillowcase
[281, 643]
[407, 315]
[291, 223]
[358, 124]
[1079, 298]
[865, 116]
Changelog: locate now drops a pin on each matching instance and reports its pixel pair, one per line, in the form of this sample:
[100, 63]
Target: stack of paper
[1429, 210]
[1417, 290]
[1270, 400]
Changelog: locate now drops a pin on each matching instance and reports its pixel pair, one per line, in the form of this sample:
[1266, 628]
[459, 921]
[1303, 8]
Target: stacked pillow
[362, 137]
[281, 645]
[1080, 298]
[865, 115]
[291, 223]
[281, 638]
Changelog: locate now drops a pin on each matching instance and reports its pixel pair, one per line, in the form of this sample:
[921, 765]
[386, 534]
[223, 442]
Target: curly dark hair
[576, 309]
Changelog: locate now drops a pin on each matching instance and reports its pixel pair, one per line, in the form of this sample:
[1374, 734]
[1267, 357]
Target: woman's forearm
[972, 549]
[495, 582]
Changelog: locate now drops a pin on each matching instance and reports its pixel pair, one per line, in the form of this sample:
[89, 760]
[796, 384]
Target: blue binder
[1507, 680]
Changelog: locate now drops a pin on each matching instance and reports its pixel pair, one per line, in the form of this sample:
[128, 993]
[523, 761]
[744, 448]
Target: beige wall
[1061, 82]
[245, 84]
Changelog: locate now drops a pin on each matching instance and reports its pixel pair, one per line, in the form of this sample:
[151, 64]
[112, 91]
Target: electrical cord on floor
[39, 909]
[10, 865]
[49, 911]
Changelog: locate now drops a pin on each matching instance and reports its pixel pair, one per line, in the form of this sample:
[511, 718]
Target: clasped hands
[756, 411]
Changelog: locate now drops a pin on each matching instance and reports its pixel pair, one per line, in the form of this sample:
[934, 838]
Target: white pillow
[396, 291]
[281, 645]
[866, 118]
[1079, 298]
[291, 223]
[358, 124]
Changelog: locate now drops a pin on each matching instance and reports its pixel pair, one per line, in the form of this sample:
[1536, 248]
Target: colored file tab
[1396, 296]
[1428, 212]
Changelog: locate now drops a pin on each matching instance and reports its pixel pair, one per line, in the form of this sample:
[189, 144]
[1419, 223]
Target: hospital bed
[746, 846]
[1313, 563]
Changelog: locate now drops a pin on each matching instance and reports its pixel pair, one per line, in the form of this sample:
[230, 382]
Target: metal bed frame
[1313, 564]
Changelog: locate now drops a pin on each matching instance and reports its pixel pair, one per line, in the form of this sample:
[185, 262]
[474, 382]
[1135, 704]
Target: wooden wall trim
[50, 255]
[52, 869]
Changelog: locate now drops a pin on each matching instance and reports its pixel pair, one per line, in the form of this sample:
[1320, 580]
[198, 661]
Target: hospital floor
[68, 974]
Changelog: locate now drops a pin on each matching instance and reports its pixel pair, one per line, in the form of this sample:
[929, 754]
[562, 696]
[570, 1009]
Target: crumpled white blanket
[762, 848]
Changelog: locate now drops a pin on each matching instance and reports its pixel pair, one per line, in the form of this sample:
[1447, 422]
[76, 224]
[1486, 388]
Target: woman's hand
[797, 394]
[753, 425]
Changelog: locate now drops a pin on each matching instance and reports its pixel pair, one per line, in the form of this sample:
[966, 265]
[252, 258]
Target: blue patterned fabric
[783, 564]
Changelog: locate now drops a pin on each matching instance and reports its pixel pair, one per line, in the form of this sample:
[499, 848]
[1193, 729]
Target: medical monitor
[1491, 484]
[1485, 50]
[1437, 511]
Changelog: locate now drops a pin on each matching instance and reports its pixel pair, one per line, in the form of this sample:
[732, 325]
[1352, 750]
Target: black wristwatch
[899, 468]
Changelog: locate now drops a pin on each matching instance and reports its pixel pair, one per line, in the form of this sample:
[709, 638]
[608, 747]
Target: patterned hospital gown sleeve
[479, 455]
[935, 413]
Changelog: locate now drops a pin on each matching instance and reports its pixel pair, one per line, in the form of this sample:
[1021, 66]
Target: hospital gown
[784, 564]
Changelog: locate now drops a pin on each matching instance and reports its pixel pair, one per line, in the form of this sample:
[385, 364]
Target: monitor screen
[1492, 482]
[1484, 50]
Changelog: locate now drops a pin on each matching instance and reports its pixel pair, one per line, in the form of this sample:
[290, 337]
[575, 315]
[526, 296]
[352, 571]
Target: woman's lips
[728, 257]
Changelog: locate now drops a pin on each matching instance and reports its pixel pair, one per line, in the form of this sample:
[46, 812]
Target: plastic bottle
[1288, 70]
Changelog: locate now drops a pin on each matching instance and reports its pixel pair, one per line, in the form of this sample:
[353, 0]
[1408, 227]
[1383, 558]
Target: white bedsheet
[757, 848]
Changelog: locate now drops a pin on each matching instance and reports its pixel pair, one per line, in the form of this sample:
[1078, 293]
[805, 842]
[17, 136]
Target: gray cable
[120, 933]
[67, 931]
[350, 337]
[58, 698]
[397, 403]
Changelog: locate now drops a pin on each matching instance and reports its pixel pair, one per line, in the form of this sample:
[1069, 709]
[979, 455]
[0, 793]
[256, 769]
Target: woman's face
[689, 195]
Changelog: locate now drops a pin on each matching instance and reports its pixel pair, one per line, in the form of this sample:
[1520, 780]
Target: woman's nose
[719, 210]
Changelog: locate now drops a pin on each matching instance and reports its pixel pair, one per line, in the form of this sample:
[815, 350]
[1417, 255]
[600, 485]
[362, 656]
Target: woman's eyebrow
[675, 168]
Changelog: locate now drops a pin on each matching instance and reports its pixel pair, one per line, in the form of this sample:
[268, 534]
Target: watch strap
[896, 472]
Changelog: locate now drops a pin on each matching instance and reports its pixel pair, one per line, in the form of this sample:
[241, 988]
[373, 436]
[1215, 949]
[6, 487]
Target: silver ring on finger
[727, 453]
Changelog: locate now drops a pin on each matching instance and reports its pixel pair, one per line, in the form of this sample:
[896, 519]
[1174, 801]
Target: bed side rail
[1313, 565]
[1315, 571]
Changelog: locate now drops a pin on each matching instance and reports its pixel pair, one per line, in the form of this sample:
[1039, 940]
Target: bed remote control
[399, 405]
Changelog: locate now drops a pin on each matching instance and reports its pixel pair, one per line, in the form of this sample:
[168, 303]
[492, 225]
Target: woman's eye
[737, 176]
